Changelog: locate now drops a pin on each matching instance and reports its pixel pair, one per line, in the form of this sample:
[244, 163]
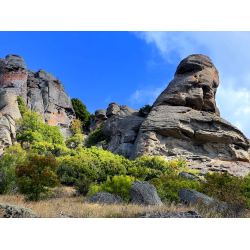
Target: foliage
[168, 186]
[31, 129]
[75, 141]
[148, 167]
[235, 191]
[144, 111]
[21, 105]
[36, 176]
[81, 112]
[76, 127]
[12, 156]
[118, 185]
[66, 174]
[95, 136]
[82, 185]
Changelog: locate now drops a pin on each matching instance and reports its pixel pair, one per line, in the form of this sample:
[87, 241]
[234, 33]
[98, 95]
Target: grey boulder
[143, 193]
[104, 198]
[187, 214]
[12, 211]
[189, 196]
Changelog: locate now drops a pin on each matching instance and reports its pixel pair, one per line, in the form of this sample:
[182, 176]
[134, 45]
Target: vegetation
[145, 110]
[36, 176]
[95, 136]
[81, 112]
[41, 159]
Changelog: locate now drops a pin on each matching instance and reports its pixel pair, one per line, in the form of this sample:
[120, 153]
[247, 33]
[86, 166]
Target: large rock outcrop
[41, 92]
[121, 128]
[185, 121]
[8, 112]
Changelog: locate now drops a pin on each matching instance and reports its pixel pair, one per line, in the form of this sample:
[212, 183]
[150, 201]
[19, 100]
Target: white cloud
[146, 95]
[230, 53]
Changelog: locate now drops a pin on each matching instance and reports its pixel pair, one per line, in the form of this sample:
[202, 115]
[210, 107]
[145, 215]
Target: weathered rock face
[121, 128]
[13, 74]
[41, 92]
[8, 112]
[194, 85]
[185, 121]
[100, 117]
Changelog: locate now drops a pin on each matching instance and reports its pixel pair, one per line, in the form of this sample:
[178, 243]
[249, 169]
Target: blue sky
[133, 68]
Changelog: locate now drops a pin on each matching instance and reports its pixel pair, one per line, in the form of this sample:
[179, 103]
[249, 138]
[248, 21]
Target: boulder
[185, 121]
[190, 176]
[187, 214]
[104, 198]
[143, 193]
[112, 109]
[100, 117]
[12, 211]
[189, 196]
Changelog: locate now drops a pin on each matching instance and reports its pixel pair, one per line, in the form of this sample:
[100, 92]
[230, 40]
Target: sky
[133, 68]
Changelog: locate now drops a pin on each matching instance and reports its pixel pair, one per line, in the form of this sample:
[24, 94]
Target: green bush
[66, 174]
[148, 167]
[82, 185]
[117, 185]
[81, 112]
[95, 136]
[144, 111]
[21, 105]
[31, 129]
[36, 176]
[168, 186]
[235, 191]
[12, 156]
[75, 141]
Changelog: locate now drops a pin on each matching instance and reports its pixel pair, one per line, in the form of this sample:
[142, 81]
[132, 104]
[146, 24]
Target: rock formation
[8, 112]
[40, 91]
[121, 128]
[185, 121]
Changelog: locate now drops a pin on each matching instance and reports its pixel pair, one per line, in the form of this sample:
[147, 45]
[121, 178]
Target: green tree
[81, 112]
[36, 176]
[144, 111]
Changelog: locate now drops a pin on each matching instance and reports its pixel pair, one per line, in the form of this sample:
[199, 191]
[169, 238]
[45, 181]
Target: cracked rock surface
[40, 91]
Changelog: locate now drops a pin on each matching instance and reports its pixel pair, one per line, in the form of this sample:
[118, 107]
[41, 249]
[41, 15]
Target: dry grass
[65, 204]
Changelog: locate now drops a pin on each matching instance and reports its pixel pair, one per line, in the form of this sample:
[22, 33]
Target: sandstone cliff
[40, 91]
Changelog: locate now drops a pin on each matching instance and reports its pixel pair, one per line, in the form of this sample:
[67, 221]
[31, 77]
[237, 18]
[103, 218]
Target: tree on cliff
[81, 112]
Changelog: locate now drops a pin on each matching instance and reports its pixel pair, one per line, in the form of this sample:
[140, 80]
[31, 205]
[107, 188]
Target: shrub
[21, 105]
[31, 129]
[168, 186]
[95, 136]
[36, 176]
[232, 190]
[75, 141]
[118, 185]
[66, 174]
[81, 112]
[82, 185]
[12, 155]
[144, 111]
[148, 167]
[76, 127]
